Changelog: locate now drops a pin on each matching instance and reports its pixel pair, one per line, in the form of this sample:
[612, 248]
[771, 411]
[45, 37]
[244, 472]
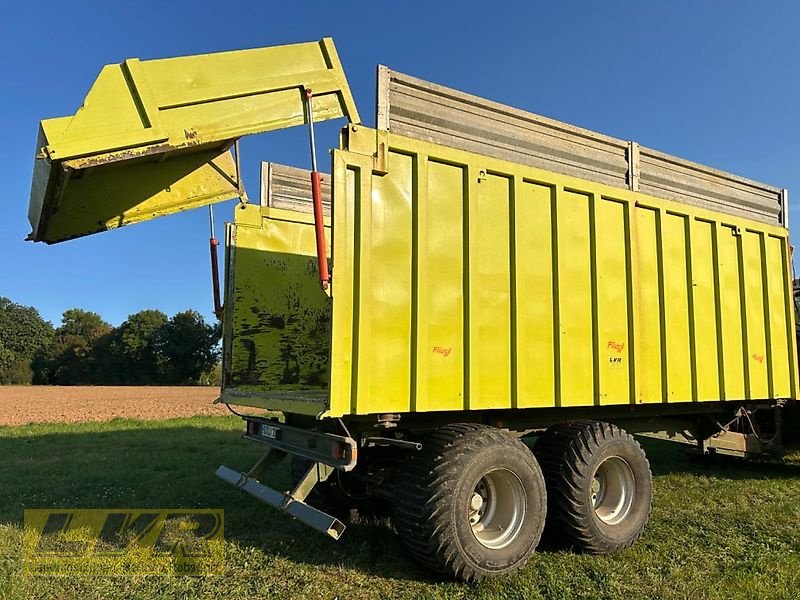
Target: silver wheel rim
[613, 488]
[496, 508]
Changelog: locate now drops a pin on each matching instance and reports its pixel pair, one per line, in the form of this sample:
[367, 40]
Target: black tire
[585, 465]
[435, 506]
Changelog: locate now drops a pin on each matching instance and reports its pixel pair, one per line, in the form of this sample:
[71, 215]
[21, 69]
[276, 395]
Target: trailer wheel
[471, 503]
[599, 486]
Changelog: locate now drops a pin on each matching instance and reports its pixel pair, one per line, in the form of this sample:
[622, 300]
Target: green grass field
[718, 529]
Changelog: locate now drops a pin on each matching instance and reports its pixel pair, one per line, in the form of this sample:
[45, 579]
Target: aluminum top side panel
[435, 113]
[289, 188]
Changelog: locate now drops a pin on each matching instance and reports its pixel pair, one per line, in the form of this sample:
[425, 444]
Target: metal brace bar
[317, 473]
[380, 163]
[785, 208]
[284, 502]
[385, 441]
[291, 503]
[239, 182]
[270, 457]
[633, 166]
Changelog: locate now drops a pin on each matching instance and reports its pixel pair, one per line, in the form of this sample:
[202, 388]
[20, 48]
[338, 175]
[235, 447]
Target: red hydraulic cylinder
[319, 227]
[316, 197]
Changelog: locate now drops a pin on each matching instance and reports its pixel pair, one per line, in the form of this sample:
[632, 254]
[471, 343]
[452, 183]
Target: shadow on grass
[670, 458]
[171, 465]
[124, 466]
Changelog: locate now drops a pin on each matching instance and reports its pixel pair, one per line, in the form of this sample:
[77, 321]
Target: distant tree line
[148, 348]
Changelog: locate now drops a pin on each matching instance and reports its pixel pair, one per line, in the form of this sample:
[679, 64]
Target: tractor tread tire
[424, 507]
[569, 454]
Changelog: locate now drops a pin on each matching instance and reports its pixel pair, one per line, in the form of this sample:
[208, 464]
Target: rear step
[326, 451]
[290, 503]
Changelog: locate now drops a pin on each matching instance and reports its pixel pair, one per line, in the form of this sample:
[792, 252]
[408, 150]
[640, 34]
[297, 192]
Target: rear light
[252, 428]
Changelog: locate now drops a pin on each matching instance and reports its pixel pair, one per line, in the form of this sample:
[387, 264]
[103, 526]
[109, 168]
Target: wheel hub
[612, 490]
[496, 508]
[477, 502]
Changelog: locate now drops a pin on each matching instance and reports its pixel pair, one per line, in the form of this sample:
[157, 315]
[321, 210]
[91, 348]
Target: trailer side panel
[467, 282]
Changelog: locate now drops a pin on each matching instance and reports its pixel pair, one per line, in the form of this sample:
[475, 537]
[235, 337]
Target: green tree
[188, 346]
[130, 354]
[23, 333]
[72, 358]
[82, 324]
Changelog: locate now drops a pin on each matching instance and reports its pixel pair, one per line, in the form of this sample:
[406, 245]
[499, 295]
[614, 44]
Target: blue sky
[715, 82]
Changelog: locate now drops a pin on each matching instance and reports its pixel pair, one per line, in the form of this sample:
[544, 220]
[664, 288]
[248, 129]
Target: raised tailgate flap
[154, 137]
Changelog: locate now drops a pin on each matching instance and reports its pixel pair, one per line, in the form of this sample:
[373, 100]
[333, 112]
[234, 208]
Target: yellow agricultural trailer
[467, 275]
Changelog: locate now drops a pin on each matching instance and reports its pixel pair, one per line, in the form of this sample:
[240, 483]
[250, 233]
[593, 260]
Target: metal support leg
[317, 473]
[269, 458]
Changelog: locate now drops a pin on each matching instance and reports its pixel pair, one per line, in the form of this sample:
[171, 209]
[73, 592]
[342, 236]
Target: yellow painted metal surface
[462, 282]
[153, 137]
[277, 320]
[126, 193]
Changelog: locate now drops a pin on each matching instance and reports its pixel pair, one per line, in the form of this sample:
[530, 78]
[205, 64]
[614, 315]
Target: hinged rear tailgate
[277, 320]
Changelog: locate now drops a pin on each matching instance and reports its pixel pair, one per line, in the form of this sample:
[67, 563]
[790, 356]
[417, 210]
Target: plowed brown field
[67, 404]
